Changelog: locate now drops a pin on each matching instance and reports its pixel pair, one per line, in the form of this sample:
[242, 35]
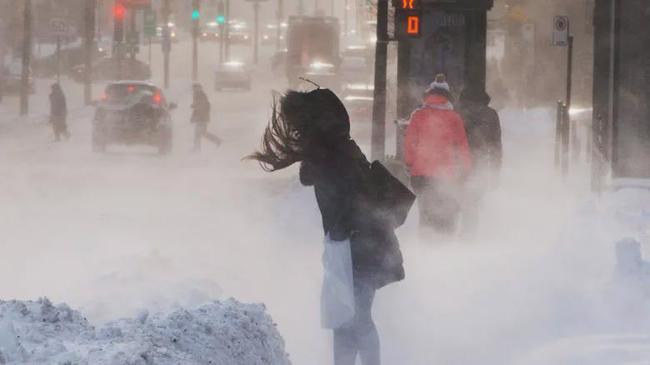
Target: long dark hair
[305, 126]
[280, 143]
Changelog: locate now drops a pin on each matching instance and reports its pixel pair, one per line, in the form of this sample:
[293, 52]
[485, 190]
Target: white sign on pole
[59, 27]
[561, 31]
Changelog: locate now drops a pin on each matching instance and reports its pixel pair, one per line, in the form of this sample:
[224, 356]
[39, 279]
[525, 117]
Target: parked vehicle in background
[232, 75]
[239, 33]
[323, 74]
[173, 33]
[11, 74]
[106, 69]
[312, 47]
[133, 112]
[270, 33]
[210, 32]
[69, 58]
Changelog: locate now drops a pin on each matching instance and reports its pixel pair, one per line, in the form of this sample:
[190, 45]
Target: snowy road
[112, 233]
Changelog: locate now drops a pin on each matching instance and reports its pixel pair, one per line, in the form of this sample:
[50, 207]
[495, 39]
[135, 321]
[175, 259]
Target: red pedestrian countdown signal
[413, 25]
[409, 18]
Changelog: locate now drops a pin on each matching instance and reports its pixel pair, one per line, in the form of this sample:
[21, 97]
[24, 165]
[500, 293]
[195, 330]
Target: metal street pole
[332, 8]
[566, 130]
[256, 37]
[227, 30]
[166, 41]
[301, 7]
[278, 34]
[378, 135]
[58, 58]
[346, 17]
[89, 39]
[195, 44]
[27, 54]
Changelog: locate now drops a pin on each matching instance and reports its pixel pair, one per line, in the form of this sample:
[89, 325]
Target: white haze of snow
[118, 233]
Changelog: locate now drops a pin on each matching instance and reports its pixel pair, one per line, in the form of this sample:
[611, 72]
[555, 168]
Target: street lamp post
[27, 55]
[256, 36]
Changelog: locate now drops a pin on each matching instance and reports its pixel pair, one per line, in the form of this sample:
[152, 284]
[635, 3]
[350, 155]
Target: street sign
[561, 31]
[59, 27]
[150, 23]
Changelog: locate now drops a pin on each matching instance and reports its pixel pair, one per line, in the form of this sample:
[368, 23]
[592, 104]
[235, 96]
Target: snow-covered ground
[117, 233]
[214, 333]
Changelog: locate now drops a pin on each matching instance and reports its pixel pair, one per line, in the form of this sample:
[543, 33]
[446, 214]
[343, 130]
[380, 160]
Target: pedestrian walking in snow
[438, 158]
[201, 118]
[58, 112]
[362, 252]
[484, 136]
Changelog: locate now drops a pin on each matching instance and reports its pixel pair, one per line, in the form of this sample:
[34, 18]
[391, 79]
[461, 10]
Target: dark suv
[133, 112]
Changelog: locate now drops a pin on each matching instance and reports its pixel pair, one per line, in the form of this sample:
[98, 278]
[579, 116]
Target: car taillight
[104, 97]
[157, 98]
[131, 89]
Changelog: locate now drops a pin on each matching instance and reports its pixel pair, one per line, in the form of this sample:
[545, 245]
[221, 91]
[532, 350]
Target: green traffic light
[196, 14]
[221, 19]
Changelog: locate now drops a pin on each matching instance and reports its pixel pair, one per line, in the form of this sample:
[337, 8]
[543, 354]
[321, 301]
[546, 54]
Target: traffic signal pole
[378, 135]
[227, 30]
[196, 4]
[89, 40]
[278, 33]
[27, 55]
[256, 37]
[166, 42]
[119, 12]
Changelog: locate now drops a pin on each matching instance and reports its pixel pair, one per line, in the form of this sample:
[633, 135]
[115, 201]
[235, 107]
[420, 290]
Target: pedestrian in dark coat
[484, 135]
[58, 112]
[314, 129]
[201, 117]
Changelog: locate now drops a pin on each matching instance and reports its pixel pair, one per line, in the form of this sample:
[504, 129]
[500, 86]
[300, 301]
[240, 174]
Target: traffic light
[196, 16]
[408, 18]
[221, 13]
[119, 12]
[196, 10]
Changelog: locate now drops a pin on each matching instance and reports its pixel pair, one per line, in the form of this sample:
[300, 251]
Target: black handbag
[392, 200]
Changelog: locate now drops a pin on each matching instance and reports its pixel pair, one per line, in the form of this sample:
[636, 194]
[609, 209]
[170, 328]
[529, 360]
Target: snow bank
[222, 333]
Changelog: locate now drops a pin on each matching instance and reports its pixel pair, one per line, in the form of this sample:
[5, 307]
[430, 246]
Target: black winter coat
[200, 108]
[483, 134]
[341, 183]
[58, 107]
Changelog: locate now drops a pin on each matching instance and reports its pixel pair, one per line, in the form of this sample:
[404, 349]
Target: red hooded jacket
[436, 143]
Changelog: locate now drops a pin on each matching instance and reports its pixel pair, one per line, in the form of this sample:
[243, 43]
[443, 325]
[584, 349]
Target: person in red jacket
[438, 157]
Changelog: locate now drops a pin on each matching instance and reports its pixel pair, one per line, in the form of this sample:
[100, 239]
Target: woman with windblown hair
[313, 128]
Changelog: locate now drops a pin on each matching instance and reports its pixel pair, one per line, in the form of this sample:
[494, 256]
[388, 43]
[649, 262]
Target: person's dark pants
[201, 131]
[438, 204]
[60, 128]
[359, 336]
